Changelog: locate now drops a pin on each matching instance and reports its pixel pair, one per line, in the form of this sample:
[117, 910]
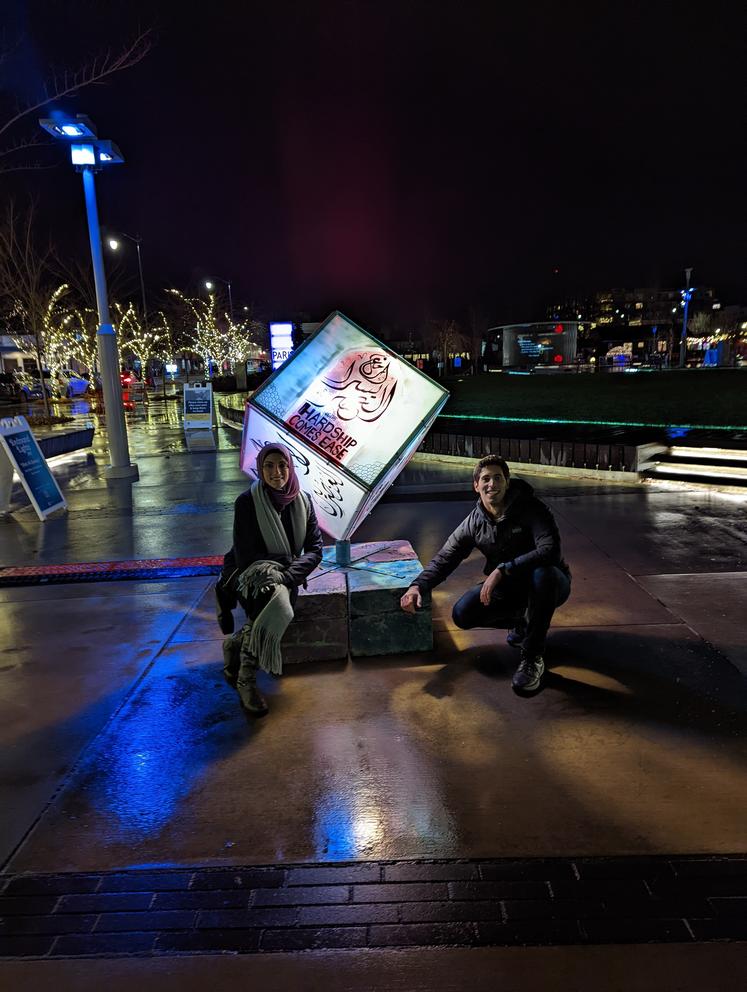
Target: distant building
[13, 355]
[643, 324]
[633, 307]
[550, 343]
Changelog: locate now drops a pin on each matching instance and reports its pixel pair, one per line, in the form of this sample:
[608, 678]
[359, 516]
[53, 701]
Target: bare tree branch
[96, 71]
[33, 140]
[27, 167]
[26, 275]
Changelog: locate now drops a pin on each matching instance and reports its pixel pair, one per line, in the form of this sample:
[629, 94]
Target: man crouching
[527, 579]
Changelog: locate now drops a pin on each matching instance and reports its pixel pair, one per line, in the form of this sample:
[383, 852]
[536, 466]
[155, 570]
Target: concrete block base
[319, 631]
[376, 623]
[355, 608]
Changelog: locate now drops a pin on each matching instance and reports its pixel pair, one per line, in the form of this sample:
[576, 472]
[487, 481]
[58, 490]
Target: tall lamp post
[137, 241]
[90, 154]
[209, 285]
[686, 293]
[114, 245]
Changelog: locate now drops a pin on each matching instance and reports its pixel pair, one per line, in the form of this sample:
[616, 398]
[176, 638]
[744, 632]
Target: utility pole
[687, 292]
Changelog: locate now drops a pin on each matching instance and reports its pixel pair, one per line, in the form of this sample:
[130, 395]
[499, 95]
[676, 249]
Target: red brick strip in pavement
[164, 568]
[375, 904]
[108, 571]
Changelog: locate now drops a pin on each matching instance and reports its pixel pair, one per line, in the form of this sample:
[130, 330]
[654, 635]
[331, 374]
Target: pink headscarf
[279, 497]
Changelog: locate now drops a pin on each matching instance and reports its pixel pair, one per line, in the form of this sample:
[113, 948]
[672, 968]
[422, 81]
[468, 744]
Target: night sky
[401, 161]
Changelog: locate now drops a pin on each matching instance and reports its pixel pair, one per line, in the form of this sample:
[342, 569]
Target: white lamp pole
[89, 153]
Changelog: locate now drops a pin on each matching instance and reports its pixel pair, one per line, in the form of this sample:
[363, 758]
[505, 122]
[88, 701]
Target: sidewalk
[123, 749]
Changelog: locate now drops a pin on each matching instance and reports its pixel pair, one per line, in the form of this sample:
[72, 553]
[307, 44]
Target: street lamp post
[687, 292]
[226, 282]
[114, 245]
[137, 241]
[89, 154]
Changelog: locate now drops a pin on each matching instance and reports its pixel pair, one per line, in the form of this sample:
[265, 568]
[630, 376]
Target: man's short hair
[491, 460]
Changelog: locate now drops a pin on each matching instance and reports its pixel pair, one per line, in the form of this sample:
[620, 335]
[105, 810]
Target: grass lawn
[692, 396]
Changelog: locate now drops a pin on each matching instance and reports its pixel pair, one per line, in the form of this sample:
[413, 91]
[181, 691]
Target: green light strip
[595, 423]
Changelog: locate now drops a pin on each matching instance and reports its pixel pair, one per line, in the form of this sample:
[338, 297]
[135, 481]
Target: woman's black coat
[249, 546]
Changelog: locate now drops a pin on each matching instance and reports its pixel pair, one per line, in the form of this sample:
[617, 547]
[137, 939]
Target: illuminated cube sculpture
[351, 411]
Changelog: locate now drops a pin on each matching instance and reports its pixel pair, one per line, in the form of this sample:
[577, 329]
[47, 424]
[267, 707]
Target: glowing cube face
[352, 413]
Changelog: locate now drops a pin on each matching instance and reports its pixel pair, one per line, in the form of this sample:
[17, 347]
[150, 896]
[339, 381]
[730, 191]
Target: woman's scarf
[262, 637]
[279, 497]
[266, 632]
[271, 527]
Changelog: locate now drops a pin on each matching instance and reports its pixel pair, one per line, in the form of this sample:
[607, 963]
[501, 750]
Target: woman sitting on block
[277, 544]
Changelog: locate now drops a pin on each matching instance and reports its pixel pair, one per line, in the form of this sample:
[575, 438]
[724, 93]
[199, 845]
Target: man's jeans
[539, 593]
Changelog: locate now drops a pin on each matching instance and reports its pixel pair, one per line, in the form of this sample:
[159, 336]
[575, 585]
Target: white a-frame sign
[20, 452]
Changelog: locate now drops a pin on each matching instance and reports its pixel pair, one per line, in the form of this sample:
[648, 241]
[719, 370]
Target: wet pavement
[627, 968]
[123, 748]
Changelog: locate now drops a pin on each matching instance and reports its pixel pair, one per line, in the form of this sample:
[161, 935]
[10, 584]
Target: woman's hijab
[279, 497]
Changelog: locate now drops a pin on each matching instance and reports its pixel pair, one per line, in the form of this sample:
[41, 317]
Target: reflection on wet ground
[135, 751]
[636, 745]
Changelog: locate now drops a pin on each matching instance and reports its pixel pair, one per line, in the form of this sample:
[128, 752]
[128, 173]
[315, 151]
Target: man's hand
[488, 586]
[411, 599]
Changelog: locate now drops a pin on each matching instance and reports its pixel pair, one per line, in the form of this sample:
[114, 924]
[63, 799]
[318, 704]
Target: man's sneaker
[252, 700]
[528, 675]
[515, 636]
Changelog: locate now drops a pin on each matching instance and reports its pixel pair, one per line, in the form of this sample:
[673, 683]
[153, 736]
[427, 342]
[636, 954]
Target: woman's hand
[488, 586]
[411, 599]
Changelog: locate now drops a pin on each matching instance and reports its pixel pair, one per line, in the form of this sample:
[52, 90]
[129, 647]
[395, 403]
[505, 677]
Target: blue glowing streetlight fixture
[686, 294]
[89, 154]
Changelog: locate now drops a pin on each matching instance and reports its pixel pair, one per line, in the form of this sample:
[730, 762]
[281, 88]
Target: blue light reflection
[155, 753]
[349, 824]
[334, 836]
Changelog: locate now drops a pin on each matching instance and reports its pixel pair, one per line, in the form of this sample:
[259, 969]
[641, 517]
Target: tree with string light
[142, 343]
[83, 346]
[58, 331]
[215, 336]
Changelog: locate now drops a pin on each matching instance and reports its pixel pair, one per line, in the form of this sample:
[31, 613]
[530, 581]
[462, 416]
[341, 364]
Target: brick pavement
[109, 571]
[375, 905]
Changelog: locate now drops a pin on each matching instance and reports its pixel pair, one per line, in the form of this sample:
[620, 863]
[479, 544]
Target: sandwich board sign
[198, 406]
[198, 417]
[20, 452]
[351, 411]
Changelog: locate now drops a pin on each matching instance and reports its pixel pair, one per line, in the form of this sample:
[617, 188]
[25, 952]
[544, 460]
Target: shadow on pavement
[709, 696]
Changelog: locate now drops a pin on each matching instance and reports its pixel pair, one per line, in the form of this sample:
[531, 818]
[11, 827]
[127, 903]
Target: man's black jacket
[525, 537]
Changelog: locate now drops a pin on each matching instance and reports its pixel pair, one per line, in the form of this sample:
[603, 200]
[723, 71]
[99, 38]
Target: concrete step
[706, 456]
[715, 466]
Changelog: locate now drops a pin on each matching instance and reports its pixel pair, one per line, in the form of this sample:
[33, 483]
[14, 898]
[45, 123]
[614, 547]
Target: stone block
[379, 551]
[316, 640]
[324, 598]
[377, 625]
[356, 608]
[319, 631]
